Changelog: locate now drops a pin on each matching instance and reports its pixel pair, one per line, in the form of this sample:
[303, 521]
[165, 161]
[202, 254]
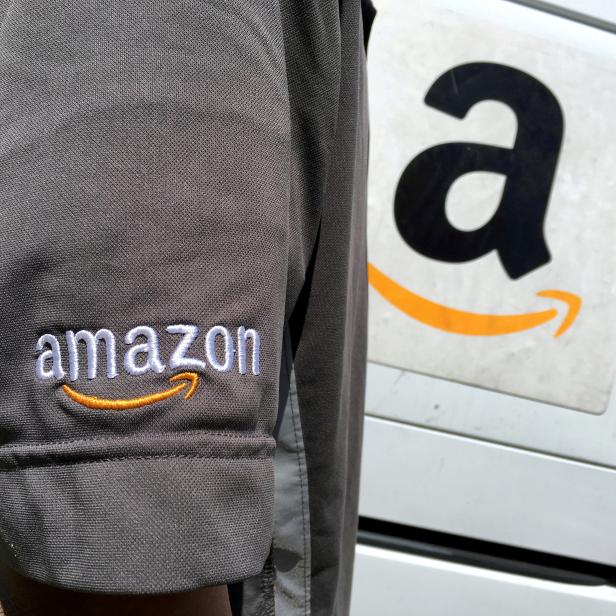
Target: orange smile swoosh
[470, 323]
[191, 380]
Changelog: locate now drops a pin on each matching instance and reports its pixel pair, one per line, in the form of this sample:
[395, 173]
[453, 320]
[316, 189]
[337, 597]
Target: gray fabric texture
[331, 345]
[123, 523]
[161, 163]
[291, 536]
[291, 540]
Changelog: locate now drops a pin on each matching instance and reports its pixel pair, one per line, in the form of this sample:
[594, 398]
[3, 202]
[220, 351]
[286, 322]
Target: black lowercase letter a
[516, 229]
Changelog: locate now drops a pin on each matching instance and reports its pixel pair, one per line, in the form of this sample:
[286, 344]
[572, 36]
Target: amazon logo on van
[515, 231]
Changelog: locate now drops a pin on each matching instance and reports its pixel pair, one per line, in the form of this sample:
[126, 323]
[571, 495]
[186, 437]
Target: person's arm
[20, 596]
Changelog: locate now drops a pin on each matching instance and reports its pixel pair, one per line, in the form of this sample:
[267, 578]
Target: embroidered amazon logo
[222, 352]
[515, 231]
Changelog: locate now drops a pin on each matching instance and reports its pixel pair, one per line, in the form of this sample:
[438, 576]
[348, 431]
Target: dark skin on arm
[20, 596]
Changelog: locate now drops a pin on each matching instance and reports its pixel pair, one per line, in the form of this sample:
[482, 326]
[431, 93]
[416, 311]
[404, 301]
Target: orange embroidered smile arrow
[470, 323]
[190, 381]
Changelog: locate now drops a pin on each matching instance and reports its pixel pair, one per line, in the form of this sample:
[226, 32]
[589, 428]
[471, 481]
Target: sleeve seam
[20, 467]
[115, 439]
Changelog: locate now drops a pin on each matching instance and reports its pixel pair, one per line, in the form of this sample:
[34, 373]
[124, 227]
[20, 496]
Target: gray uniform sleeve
[144, 183]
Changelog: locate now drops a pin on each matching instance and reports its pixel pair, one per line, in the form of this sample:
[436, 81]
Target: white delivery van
[489, 472]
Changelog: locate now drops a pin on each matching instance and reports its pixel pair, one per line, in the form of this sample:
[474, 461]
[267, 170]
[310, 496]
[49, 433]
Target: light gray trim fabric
[291, 533]
[291, 515]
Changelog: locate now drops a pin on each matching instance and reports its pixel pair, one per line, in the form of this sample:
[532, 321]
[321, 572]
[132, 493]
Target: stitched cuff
[161, 521]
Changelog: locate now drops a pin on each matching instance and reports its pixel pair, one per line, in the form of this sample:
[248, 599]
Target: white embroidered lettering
[150, 348]
[220, 350]
[91, 341]
[242, 336]
[178, 358]
[210, 348]
[52, 353]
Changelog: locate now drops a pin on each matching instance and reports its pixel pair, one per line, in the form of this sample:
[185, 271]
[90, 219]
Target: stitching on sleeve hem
[102, 439]
[19, 467]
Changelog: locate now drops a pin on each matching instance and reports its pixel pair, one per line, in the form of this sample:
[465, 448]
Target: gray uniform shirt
[183, 291]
